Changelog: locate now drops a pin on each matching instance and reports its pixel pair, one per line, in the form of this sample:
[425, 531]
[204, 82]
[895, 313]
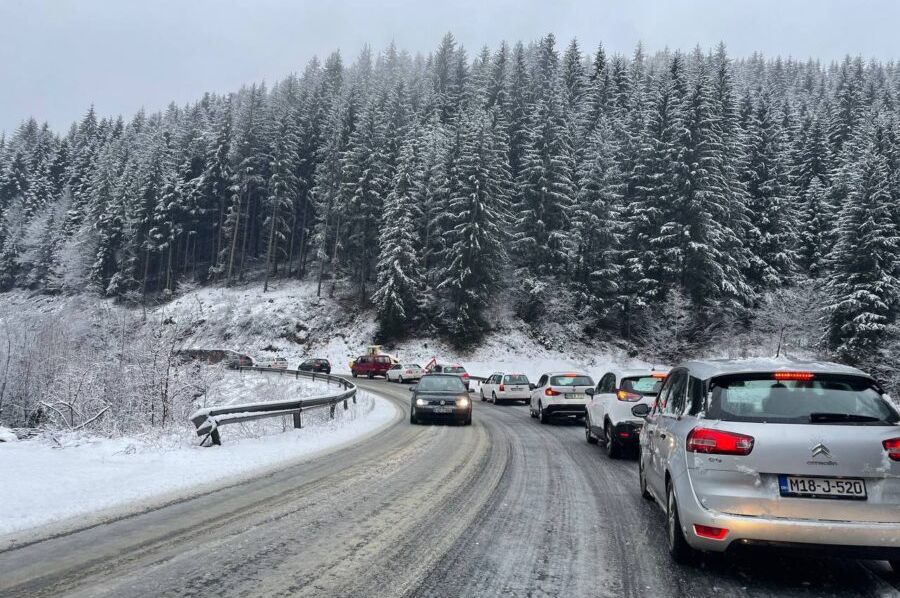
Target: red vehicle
[371, 366]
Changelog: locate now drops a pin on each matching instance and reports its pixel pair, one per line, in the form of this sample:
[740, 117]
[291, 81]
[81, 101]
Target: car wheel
[588, 435]
[679, 549]
[353, 374]
[531, 411]
[468, 421]
[412, 417]
[642, 479]
[544, 417]
[371, 376]
[401, 380]
[613, 448]
[483, 399]
[494, 398]
[895, 566]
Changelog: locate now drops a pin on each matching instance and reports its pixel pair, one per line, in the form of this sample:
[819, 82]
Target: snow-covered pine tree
[400, 277]
[477, 225]
[862, 280]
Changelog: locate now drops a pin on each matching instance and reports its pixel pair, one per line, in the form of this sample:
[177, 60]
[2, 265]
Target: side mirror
[413, 388]
[589, 392]
[531, 386]
[642, 410]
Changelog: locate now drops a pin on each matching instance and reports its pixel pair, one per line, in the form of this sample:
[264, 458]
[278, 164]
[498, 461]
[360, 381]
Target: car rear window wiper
[841, 417]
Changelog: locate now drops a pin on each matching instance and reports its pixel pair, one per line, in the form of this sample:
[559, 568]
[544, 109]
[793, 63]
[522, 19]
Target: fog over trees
[616, 189]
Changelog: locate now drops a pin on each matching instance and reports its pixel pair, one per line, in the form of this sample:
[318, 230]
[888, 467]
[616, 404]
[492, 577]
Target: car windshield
[454, 369]
[441, 384]
[515, 379]
[644, 385]
[571, 380]
[822, 399]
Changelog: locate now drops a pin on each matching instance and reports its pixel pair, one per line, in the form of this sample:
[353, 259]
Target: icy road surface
[506, 507]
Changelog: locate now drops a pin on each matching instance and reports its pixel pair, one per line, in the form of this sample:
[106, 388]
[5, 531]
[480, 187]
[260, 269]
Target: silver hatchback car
[775, 453]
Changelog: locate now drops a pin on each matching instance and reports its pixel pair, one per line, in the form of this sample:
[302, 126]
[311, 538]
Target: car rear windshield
[441, 384]
[571, 380]
[454, 369]
[823, 399]
[643, 385]
[412, 366]
[515, 379]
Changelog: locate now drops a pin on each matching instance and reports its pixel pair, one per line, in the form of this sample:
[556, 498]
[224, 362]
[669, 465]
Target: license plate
[574, 395]
[444, 409]
[516, 388]
[821, 487]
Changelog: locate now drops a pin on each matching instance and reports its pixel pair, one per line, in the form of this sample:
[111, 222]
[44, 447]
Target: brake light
[630, 397]
[892, 447]
[713, 533]
[552, 393]
[799, 376]
[718, 442]
[465, 375]
[660, 375]
[502, 388]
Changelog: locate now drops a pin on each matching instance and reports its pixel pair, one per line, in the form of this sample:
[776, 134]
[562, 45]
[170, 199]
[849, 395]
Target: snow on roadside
[56, 479]
[7, 435]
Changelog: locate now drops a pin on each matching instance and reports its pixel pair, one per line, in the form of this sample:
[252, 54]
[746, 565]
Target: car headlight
[421, 402]
[462, 402]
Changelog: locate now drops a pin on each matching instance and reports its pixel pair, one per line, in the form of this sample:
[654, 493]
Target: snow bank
[58, 478]
[6, 435]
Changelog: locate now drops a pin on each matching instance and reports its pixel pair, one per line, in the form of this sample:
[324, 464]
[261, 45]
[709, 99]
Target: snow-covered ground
[57, 477]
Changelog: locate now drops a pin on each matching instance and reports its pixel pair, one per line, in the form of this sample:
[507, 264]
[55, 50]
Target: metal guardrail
[208, 419]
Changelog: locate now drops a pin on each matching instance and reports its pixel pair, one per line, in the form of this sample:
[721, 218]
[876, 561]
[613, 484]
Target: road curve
[505, 507]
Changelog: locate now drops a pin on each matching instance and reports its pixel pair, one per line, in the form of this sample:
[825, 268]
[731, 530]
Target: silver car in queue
[790, 454]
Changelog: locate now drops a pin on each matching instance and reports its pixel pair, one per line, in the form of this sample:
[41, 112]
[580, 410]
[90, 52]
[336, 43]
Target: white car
[560, 393]
[404, 372]
[501, 387]
[275, 363]
[609, 415]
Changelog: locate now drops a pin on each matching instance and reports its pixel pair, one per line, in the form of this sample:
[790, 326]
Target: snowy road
[506, 507]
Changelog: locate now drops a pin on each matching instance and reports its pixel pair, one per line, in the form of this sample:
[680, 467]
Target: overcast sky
[58, 57]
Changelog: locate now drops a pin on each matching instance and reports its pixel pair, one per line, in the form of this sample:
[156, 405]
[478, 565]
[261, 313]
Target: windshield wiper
[841, 417]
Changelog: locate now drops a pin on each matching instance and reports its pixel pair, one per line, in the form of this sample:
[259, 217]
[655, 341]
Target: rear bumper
[873, 540]
[570, 408]
[628, 433]
[458, 415]
[513, 396]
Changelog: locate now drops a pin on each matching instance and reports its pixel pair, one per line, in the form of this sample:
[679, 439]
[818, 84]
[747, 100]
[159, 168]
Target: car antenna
[780, 340]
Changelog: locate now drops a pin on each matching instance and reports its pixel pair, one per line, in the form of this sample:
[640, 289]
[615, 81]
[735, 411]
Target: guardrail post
[346, 406]
[298, 423]
[333, 405]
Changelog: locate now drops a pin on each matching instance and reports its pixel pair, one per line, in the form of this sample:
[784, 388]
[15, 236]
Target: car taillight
[552, 393]
[892, 447]
[408, 372]
[502, 388]
[465, 375]
[798, 376]
[630, 397]
[718, 442]
[713, 533]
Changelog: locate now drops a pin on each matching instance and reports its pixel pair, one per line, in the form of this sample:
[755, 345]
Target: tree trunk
[271, 243]
[234, 236]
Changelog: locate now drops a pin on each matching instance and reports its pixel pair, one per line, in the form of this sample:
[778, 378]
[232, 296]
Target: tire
[895, 567]
[400, 380]
[371, 376]
[412, 417]
[679, 549]
[483, 400]
[642, 479]
[531, 411]
[591, 439]
[544, 417]
[353, 374]
[494, 398]
[468, 421]
[613, 448]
